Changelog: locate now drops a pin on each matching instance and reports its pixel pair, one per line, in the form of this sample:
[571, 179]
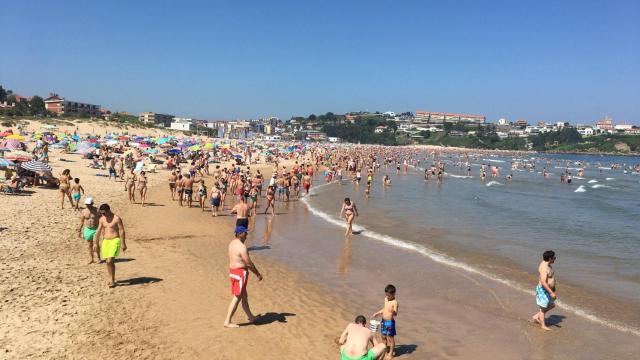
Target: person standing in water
[546, 288]
[349, 211]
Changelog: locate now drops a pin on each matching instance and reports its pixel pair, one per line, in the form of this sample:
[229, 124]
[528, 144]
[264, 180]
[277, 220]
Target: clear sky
[546, 60]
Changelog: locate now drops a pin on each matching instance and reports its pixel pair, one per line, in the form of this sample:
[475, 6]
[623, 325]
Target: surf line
[448, 261]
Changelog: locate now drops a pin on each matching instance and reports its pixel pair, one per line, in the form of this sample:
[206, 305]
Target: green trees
[36, 106]
[3, 94]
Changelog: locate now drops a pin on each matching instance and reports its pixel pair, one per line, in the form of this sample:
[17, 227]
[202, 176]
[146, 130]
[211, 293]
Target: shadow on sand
[271, 317]
[138, 281]
[119, 260]
[555, 320]
[258, 247]
[405, 349]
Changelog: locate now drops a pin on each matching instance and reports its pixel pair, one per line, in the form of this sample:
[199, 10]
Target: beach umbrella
[195, 148]
[208, 146]
[174, 151]
[151, 151]
[16, 137]
[112, 142]
[36, 166]
[5, 163]
[13, 144]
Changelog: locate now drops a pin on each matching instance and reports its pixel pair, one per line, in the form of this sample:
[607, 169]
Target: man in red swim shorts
[239, 266]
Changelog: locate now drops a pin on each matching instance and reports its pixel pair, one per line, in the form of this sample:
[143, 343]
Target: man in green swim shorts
[88, 225]
[111, 229]
[355, 340]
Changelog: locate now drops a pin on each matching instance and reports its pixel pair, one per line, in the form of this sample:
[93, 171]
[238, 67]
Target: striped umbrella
[35, 166]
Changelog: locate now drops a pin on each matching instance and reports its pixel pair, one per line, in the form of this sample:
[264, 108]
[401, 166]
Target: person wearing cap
[239, 266]
[88, 225]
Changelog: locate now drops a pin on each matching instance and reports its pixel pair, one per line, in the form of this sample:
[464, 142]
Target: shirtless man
[242, 212]
[173, 178]
[239, 265]
[355, 340]
[187, 187]
[111, 229]
[88, 224]
[546, 288]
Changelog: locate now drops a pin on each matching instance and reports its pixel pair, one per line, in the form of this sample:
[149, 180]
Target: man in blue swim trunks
[355, 340]
[546, 288]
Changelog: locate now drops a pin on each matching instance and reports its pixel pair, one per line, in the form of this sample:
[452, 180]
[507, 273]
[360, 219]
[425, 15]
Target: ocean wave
[494, 160]
[493, 182]
[592, 181]
[449, 261]
[460, 176]
[609, 179]
[581, 189]
[597, 186]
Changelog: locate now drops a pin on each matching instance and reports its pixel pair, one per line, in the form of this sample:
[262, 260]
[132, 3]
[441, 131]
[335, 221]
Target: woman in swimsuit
[202, 194]
[350, 211]
[271, 192]
[142, 186]
[64, 187]
[253, 195]
[130, 185]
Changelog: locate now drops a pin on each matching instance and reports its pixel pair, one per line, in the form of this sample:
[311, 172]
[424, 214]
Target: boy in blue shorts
[388, 324]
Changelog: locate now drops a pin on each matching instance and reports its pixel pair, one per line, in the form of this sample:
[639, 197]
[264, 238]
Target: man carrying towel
[239, 266]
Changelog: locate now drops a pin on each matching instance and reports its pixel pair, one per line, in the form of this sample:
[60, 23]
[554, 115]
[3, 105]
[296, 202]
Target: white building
[585, 130]
[623, 127]
[502, 121]
[184, 124]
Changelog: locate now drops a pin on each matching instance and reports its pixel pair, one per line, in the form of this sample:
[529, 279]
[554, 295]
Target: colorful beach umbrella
[5, 163]
[16, 137]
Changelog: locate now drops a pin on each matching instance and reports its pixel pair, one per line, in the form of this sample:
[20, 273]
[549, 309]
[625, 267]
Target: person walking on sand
[111, 229]
[142, 186]
[187, 188]
[216, 195]
[172, 184]
[271, 200]
[89, 217]
[130, 185]
[76, 193]
[546, 288]
[349, 211]
[355, 340]
[64, 182]
[239, 266]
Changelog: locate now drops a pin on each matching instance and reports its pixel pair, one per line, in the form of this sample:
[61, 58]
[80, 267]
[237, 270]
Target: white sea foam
[604, 168]
[597, 186]
[578, 177]
[609, 179]
[460, 176]
[593, 181]
[581, 188]
[448, 261]
[493, 182]
[494, 160]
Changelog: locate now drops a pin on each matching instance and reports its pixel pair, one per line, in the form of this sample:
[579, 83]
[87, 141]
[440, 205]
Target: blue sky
[547, 60]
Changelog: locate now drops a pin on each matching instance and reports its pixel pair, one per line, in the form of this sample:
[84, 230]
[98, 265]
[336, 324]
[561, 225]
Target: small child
[388, 324]
[76, 190]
